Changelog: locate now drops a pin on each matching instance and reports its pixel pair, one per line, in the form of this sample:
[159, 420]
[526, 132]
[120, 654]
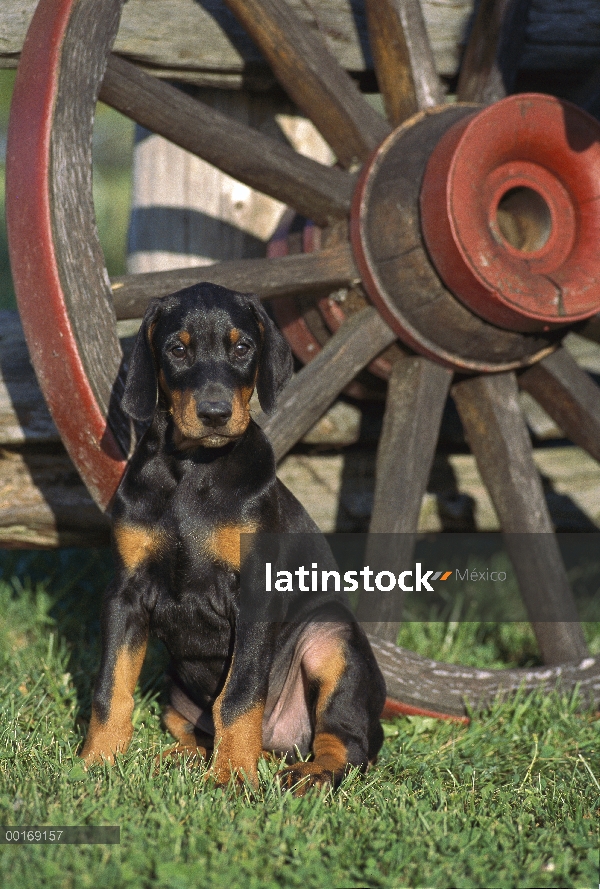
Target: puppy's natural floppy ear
[141, 386]
[276, 362]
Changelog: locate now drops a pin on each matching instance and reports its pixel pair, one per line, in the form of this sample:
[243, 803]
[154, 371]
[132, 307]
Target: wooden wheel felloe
[368, 208]
[63, 293]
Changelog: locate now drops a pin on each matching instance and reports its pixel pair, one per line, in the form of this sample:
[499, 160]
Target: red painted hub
[397, 270]
[510, 212]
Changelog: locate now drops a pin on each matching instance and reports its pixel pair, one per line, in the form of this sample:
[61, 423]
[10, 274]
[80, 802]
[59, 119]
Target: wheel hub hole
[524, 220]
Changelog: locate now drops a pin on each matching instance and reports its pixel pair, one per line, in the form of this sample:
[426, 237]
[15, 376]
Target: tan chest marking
[224, 543]
[137, 544]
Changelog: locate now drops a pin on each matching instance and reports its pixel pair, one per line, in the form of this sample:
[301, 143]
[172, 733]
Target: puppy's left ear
[141, 387]
[276, 362]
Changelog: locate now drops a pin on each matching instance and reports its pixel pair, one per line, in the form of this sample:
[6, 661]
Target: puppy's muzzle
[214, 413]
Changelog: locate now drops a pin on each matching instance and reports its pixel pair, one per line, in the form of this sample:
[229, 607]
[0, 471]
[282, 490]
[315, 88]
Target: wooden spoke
[318, 192]
[283, 276]
[417, 393]
[497, 434]
[490, 61]
[313, 78]
[569, 395]
[316, 386]
[403, 58]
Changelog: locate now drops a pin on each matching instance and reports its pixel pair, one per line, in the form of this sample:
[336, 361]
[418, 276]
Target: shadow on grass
[75, 580]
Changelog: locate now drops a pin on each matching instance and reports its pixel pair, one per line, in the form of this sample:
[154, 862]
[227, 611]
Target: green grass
[509, 801]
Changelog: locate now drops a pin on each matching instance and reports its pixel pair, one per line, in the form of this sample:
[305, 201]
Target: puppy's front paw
[104, 740]
[222, 771]
[97, 754]
[302, 775]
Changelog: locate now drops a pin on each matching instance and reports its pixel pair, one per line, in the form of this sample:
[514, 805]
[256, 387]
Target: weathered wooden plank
[286, 275]
[317, 385]
[416, 396]
[24, 417]
[317, 480]
[313, 78]
[319, 192]
[497, 435]
[209, 47]
[44, 503]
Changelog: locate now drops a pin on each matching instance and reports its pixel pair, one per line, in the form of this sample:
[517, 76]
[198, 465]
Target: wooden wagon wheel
[482, 339]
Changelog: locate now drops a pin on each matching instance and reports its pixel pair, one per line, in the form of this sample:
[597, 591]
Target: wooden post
[186, 212]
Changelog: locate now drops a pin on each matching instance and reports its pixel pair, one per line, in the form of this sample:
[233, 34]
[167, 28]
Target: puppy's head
[199, 354]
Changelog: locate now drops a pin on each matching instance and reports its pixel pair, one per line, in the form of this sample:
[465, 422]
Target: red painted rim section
[392, 709]
[47, 327]
[286, 312]
[510, 212]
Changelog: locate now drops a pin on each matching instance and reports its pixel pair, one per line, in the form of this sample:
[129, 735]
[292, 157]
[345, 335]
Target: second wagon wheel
[469, 228]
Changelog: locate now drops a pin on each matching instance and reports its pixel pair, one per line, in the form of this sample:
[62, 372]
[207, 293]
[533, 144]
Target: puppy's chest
[191, 556]
[198, 528]
[207, 530]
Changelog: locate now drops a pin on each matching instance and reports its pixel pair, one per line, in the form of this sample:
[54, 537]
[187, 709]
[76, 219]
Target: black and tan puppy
[203, 474]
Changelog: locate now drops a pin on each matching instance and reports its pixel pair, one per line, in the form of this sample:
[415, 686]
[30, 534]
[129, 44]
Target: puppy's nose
[214, 413]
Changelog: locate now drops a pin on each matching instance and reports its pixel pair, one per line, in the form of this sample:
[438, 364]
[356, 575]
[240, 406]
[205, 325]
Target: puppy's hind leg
[347, 693]
[193, 744]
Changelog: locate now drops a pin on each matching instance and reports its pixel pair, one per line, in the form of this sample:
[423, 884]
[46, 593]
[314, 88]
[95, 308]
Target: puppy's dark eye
[178, 351]
[241, 349]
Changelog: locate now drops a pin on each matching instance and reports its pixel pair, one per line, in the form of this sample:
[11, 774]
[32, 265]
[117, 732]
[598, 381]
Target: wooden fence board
[207, 46]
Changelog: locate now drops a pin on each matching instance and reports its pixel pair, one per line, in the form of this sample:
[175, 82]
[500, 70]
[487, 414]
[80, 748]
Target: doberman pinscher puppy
[202, 475]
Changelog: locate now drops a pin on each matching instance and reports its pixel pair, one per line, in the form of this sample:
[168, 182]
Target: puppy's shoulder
[147, 481]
